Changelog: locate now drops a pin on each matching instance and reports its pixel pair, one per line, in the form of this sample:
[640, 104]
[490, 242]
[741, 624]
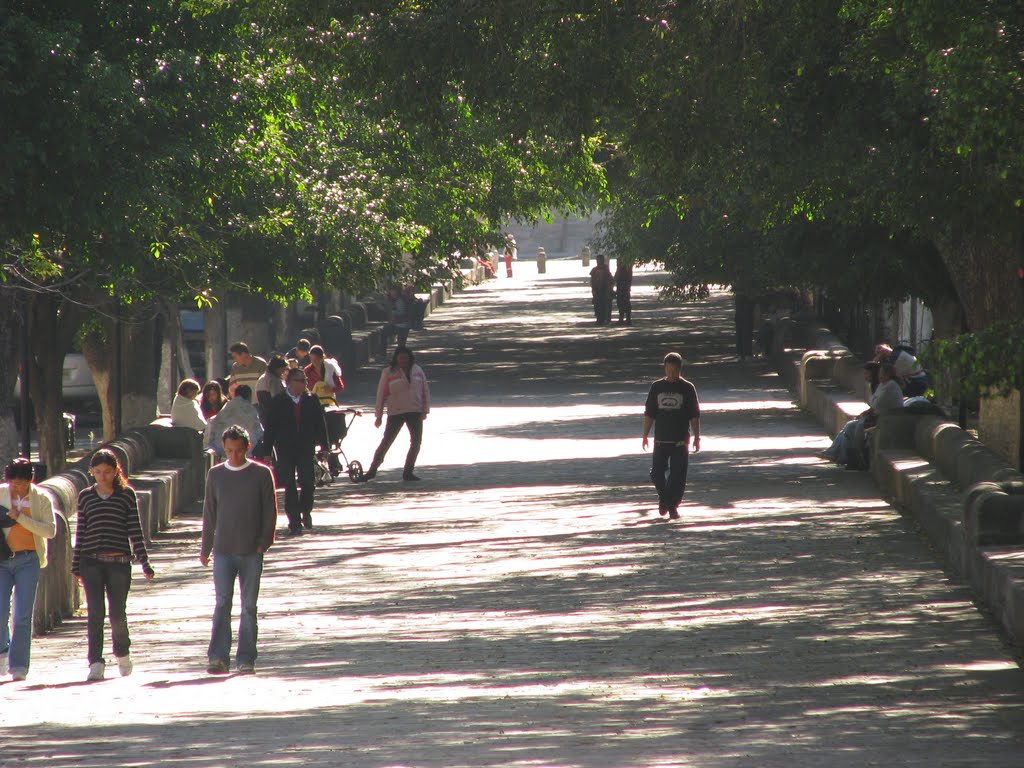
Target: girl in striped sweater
[109, 531]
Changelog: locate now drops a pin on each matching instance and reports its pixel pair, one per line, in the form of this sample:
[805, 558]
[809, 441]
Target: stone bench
[965, 498]
[832, 407]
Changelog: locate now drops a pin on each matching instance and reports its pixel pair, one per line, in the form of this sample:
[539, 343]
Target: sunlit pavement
[524, 605]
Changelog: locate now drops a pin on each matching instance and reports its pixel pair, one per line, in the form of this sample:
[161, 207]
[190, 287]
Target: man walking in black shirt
[673, 410]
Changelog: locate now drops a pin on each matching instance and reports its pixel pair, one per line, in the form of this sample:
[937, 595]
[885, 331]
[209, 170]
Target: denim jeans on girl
[111, 581]
[18, 575]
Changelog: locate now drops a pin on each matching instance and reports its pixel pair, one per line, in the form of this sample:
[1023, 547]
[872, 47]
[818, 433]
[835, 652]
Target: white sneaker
[19, 673]
[124, 665]
[96, 671]
[3, 665]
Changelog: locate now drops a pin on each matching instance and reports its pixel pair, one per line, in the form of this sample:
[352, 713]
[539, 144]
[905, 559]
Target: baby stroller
[331, 461]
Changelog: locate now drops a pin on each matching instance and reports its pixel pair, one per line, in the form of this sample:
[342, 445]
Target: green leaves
[991, 359]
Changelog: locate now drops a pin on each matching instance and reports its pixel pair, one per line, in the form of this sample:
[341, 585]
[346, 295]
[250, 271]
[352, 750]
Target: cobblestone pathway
[525, 605]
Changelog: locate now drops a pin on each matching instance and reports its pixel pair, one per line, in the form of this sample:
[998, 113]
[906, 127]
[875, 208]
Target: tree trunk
[140, 378]
[10, 335]
[53, 323]
[984, 272]
[174, 361]
[98, 348]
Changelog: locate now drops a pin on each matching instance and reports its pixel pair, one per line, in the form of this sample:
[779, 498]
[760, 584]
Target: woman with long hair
[109, 532]
[26, 519]
[212, 400]
[403, 389]
[323, 376]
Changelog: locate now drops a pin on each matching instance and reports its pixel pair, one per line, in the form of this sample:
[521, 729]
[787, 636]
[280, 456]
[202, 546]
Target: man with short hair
[239, 515]
[673, 410]
[246, 369]
[271, 383]
[300, 352]
[295, 426]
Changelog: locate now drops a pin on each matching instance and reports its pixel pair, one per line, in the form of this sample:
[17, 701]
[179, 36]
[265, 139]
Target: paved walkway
[525, 605]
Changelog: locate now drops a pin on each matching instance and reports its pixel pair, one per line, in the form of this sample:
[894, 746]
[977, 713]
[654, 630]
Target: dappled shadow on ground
[525, 605]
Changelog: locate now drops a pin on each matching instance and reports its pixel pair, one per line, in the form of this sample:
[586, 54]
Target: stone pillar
[1000, 425]
[542, 261]
[585, 255]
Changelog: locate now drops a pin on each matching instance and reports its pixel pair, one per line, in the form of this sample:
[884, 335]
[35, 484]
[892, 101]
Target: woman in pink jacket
[403, 388]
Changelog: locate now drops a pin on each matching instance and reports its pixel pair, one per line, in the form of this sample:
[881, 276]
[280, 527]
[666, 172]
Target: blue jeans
[247, 569]
[112, 581]
[19, 575]
[673, 459]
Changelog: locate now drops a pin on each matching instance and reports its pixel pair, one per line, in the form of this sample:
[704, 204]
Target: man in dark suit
[295, 426]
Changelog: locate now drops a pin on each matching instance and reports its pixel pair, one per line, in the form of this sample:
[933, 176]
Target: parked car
[80, 397]
[78, 386]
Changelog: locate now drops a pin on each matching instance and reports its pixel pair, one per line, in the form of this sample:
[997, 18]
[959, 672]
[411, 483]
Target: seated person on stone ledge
[850, 444]
[912, 377]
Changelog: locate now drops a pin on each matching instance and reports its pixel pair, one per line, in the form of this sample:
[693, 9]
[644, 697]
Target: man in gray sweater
[239, 516]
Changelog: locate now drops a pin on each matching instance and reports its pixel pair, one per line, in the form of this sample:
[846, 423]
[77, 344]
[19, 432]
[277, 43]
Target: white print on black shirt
[670, 401]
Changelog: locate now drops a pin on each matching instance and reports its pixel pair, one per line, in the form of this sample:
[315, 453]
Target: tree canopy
[183, 148]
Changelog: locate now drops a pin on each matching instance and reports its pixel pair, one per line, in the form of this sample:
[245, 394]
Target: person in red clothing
[323, 376]
[510, 253]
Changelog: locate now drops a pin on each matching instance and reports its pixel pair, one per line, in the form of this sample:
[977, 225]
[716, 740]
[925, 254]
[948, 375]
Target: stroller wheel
[355, 472]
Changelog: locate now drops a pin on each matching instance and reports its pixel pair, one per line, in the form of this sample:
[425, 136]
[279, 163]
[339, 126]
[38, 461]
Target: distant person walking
[26, 522]
[295, 426]
[398, 325]
[239, 515]
[601, 285]
[673, 410]
[510, 253]
[109, 531]
[624, 289]
[403, 390]
[745, 308]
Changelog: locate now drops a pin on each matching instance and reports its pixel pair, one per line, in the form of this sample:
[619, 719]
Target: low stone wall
[966, 498]
[167, 467]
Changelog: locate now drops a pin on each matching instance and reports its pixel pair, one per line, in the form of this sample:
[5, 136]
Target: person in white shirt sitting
[186, 410]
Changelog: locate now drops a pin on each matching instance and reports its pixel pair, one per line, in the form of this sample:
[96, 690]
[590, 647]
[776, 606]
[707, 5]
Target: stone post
[1000, 424]
[542, 261]
[585, 255]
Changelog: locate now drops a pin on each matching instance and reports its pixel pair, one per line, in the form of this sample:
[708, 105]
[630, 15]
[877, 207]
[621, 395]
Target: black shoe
[307, 521]
[662, 508]
[296, 531]
[370, 473]
[673, 513]
[409, 477]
